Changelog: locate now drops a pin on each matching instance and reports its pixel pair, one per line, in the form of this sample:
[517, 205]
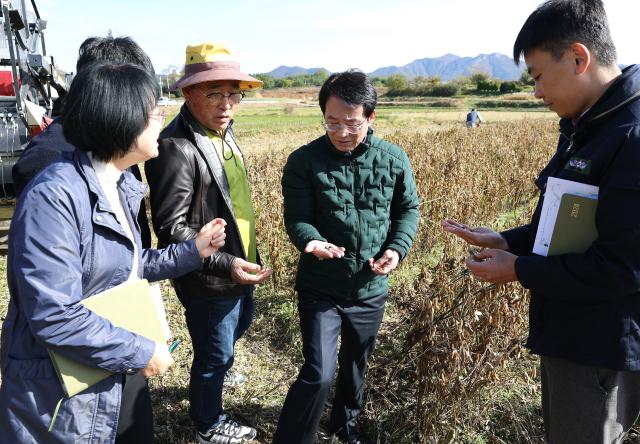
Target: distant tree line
[397, 85]
[315, 79]
[478, 83]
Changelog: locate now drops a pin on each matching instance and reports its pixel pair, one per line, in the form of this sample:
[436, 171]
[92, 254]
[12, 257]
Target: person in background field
[48, 146]
[73, 235]
[201, 173]
[473, 119]
[351, 209]
[584, 318]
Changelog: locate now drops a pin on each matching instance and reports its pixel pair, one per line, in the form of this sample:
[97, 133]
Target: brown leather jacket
[188, 189]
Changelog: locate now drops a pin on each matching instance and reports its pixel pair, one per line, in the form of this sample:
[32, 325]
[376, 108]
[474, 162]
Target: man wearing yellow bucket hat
[200, 172]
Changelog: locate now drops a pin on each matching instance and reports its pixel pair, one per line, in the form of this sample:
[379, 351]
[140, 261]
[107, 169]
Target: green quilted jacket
[364, 201]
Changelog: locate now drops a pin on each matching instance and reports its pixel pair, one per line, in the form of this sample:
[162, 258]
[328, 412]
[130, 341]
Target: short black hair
[112, 49]
[557, 24]
[108, 107]
[353, 86]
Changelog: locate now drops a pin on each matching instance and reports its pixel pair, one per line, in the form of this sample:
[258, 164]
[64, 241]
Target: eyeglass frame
[348, 128]
[160, 117]
[222, 96]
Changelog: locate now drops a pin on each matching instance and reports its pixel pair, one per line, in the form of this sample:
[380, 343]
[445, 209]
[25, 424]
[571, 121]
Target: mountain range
[288, 71]
[447, 67]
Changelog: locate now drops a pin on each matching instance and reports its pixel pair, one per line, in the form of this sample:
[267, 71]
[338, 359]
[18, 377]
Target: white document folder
[553, 194]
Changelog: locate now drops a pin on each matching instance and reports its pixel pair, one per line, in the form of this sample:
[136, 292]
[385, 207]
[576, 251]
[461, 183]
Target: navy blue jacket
[65, 244]
[586, 307]
[46, 148]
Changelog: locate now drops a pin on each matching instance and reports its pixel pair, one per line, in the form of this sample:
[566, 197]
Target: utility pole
[161, 85]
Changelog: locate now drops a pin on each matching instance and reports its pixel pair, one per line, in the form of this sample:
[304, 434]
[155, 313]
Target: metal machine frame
[34, 76]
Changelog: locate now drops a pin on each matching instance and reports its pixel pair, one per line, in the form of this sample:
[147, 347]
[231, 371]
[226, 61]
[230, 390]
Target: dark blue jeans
[215, 324]
[322, 321]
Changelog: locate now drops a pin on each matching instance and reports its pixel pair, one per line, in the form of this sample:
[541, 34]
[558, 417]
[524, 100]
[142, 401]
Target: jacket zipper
[354, 170]
[570, 139]
[563, 157]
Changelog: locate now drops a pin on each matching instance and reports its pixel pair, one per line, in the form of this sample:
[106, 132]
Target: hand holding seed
[324, 250]
[495, 266]
[386, 263]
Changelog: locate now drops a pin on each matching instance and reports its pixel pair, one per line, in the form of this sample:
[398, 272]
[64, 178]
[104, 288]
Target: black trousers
[322, 322]
[135, 422]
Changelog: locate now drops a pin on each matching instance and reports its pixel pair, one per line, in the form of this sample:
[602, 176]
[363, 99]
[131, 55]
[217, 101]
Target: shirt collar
[106, 171]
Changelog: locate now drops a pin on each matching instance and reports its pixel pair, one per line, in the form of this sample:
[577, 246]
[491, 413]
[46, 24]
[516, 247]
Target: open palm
[479, 236]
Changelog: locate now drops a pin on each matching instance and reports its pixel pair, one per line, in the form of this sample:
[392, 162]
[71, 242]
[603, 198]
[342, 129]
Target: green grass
[258, 124]
[258, 120]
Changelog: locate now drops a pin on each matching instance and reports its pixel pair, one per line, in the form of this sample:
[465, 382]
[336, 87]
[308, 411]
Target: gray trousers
[587, 405]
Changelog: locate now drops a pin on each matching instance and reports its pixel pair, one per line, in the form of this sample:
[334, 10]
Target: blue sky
[332, 34]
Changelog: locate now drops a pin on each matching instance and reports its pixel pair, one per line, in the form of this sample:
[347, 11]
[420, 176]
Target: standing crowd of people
[351, 208]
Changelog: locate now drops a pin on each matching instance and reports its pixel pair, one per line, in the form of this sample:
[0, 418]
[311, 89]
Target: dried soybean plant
[463, 331]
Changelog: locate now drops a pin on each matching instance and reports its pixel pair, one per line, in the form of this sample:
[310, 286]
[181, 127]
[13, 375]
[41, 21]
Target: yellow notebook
[135, 306]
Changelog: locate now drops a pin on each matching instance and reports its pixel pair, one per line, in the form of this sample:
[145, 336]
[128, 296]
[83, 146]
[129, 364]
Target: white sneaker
[227, 432]
[233, 379]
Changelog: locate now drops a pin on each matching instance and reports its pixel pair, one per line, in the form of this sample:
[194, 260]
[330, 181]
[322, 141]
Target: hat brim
[245, 80]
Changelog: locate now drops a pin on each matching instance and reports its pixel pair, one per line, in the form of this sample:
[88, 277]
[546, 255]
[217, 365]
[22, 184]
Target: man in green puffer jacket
[351, 208]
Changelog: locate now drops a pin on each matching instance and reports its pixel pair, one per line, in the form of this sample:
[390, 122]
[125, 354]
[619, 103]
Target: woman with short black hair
[108, 107]
[74, 234]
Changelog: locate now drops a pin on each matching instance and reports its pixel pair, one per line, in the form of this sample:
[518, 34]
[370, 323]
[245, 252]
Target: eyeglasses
[351, 129]
[160, 117]
[216, 98]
